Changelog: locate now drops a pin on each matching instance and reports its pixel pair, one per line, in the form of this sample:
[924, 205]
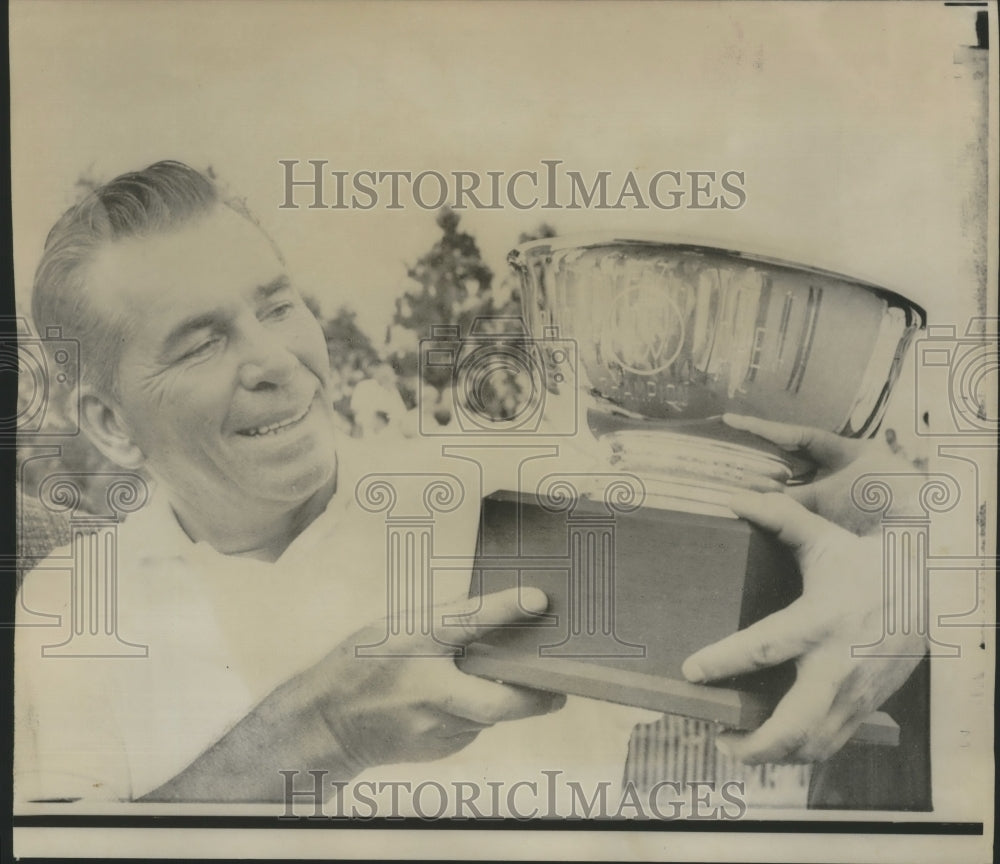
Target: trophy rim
[518, 255]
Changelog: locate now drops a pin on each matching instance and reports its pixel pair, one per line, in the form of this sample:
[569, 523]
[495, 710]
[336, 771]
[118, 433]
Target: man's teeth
[275, 427]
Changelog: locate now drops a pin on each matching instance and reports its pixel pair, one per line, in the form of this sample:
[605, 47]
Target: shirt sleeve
[67, 745]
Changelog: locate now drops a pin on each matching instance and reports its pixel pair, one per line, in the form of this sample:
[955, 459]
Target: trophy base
[631, 595]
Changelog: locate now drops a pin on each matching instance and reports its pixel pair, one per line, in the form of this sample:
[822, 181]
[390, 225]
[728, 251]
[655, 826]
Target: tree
[351, 354]
[454, 286]
[346, 343]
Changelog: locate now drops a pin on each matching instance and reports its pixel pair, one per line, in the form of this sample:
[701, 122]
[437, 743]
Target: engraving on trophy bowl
[672, 336]
[644, 331]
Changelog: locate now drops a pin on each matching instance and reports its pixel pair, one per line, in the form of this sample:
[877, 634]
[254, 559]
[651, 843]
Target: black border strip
[744, 826]
[8, 465]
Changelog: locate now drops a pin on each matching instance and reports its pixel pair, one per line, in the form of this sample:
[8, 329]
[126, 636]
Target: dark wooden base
[631, 595]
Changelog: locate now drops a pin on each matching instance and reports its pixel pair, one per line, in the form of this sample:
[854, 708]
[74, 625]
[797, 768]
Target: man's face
[222, 382]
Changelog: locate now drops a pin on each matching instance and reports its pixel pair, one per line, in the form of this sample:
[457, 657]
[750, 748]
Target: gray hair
[160, 198]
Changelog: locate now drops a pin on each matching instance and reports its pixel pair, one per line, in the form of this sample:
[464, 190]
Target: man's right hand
[348, 712]
[420, 706]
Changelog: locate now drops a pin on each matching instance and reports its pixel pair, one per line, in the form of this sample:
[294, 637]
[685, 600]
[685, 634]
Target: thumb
[828, 450]
[467, 620]
[793, 524]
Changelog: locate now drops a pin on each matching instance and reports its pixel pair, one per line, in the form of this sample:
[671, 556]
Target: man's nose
[267, 361]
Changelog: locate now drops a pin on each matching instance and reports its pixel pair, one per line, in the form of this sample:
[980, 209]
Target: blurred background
[861, 129]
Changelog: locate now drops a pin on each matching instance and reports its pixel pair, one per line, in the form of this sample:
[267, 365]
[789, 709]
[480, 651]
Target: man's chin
[289, 467]
[296, 485]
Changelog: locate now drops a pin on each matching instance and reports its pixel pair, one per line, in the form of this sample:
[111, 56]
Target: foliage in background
[450, 284]
[454, 286]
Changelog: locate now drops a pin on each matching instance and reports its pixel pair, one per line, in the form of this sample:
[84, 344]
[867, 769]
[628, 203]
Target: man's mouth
[276, 428]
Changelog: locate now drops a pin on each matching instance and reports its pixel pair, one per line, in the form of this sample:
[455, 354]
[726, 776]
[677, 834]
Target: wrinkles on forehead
[158, 283]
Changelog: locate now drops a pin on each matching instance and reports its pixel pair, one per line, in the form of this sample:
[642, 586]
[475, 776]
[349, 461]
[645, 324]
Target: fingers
[479, 700]
[789, 734]
[487, 702]
[830, 451]
[829, 700]
[793, 524]
[814, 720]
[471, 619]
[807, 494]
[778, 637]
[864, 685]
[791, 741]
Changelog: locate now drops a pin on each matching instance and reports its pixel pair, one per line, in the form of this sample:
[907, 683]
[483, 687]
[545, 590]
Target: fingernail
[745, 500]
[692, 671]
[533, 600]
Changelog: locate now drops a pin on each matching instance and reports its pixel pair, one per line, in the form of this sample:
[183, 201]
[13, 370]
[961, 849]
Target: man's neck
[262, 533]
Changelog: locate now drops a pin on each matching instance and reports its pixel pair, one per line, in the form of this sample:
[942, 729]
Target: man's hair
[160, 198]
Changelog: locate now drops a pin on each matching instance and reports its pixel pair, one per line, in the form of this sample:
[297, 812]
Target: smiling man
[220, 388]
[249, 574]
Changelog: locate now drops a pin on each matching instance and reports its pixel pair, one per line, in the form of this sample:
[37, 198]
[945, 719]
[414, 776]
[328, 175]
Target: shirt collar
[154, 534]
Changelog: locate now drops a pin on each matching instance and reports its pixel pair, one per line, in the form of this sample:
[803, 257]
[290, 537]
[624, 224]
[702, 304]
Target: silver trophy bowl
[669, 337]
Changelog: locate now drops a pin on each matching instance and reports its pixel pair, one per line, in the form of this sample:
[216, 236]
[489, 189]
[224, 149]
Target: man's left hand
[842, 606]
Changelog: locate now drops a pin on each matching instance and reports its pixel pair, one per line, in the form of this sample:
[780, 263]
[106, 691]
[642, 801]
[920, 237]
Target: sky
[851, 122]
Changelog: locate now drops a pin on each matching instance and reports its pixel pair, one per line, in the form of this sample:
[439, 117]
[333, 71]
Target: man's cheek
[312, 351]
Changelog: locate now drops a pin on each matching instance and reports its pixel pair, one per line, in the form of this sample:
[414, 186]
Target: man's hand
[348, 713]
[841, 606]
[418, 708]
[840, 462]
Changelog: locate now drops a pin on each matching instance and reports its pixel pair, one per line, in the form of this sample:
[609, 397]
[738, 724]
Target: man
[247, 576]
[250, 571]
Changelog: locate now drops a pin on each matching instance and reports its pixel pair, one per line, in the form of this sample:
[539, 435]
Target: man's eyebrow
[280, 283]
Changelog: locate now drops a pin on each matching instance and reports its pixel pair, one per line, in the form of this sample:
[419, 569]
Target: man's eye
[202, 349]
[282, 310]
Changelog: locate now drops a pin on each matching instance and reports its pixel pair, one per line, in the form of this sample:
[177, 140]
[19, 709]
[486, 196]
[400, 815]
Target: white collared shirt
[222, 631]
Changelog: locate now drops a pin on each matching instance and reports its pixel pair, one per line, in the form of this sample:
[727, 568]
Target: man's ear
[102, 423]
